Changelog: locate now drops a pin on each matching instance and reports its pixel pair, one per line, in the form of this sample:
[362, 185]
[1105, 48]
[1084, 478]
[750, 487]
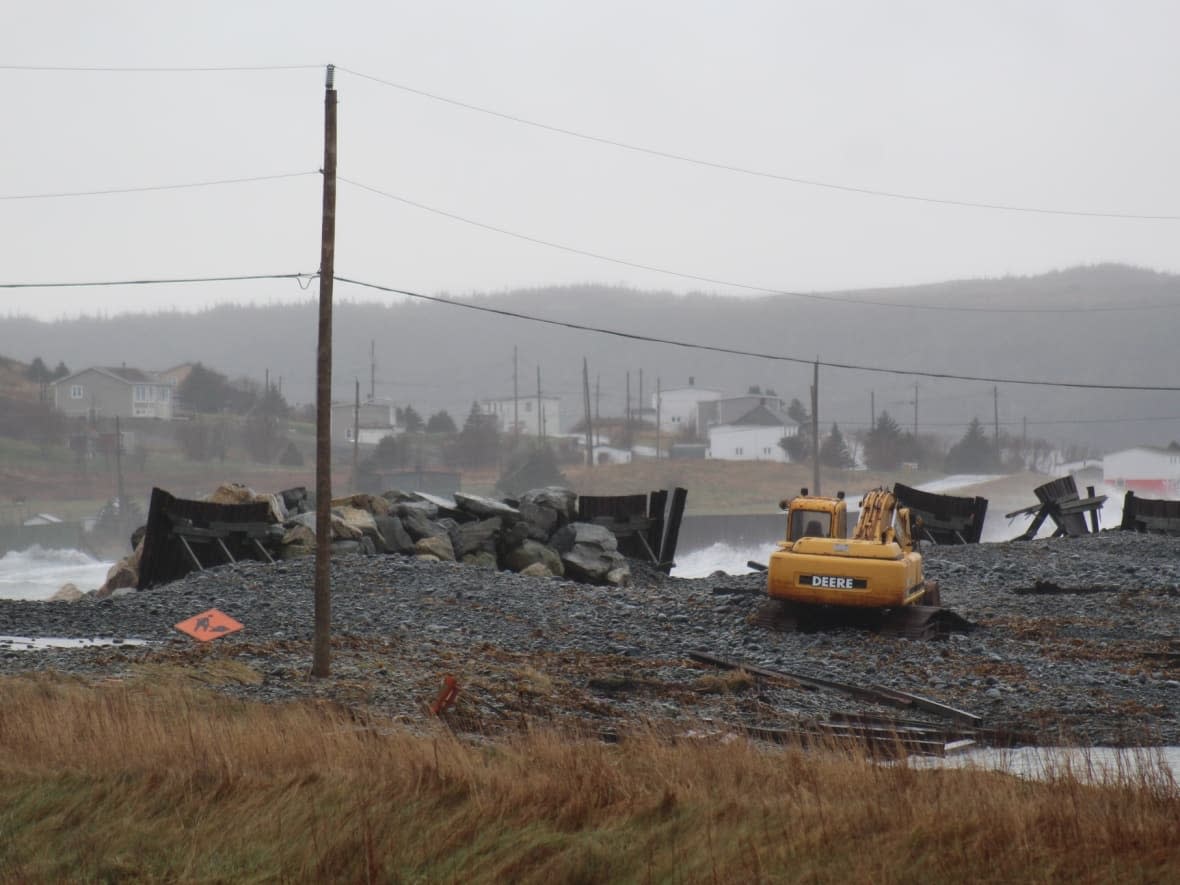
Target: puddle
[39, 643]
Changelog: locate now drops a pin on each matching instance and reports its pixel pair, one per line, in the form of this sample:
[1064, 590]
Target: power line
[156, 187]
[743, 170]
[720, 282]
[103, 69]
[635, 336]
[160, 282]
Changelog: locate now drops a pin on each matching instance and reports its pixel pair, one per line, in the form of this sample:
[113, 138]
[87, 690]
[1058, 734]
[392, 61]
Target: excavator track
[922, 622]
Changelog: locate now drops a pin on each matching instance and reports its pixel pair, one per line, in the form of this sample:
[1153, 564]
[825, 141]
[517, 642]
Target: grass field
[150, 782]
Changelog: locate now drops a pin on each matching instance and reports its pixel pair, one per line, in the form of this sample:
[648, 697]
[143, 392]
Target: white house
[733, 409]
[747, 442]
[677, 406]
[1146, 470]
[367, 426]
[531, 415]
[100, 392]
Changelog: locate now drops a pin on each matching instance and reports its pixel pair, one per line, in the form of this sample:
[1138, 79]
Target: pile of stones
[537, 534]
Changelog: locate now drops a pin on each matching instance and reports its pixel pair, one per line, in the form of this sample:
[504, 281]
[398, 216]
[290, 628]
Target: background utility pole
[321, 646]
[627, 415]
[372, 371]
[639, 400]
[356, 436]
[589, 425]
[996, 417]
[815, 430]
[515, 401]
[872, 410]
[124, 516]
[658, 404]
[540, 414]
[597, 413]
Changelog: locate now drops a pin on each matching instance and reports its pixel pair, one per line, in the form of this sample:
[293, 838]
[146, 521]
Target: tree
[411, 420]
[973, 453]
[885, 444]
[62, 371]
[531, 470]
[799, 446]
[205, 390]
[479, 440]
[834, 450]
[441, 422]
[38, 372]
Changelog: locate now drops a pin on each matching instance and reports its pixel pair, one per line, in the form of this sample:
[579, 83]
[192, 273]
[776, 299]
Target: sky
[1048, 105]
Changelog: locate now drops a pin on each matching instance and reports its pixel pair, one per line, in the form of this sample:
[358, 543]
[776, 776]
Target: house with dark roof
[100, 392]
[751, 436]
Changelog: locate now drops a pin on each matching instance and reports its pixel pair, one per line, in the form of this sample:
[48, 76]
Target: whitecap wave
[39, 572]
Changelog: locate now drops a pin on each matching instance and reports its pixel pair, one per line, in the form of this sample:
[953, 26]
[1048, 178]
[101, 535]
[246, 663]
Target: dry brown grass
[150, 782]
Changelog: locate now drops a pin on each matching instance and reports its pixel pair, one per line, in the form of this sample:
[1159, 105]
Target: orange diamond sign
[209, 625]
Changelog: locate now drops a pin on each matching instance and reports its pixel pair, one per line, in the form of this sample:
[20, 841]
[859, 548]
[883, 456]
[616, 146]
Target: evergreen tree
[441, 422]
[885, 444]
[61, 371]
[973, 453]
[479, 441]
[834, 451]
[412, 420]
[38, 372]
[799, 446]
[205, 390]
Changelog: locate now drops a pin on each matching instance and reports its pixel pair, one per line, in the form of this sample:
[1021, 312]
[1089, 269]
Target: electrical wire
[743, 170]
[635, 336]
[157, 187]
[159, 282]
[746, 286]
[103, 69]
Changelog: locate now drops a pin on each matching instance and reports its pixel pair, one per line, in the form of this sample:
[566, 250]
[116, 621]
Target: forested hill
[1107, 324]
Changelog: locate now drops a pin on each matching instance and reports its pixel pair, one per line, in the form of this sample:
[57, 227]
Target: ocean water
[38, 573]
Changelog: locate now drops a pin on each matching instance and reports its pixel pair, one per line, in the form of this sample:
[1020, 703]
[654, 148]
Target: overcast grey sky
[1058, 105]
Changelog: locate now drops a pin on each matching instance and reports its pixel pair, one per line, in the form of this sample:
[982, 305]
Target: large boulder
[479, 537]
[532, 552]
[484, 508]
[439, 547]
[540, 520]
[373, 504]
[561, 500]
[426, 508]
[397, 539]
[417, 523]
[482, 559]
[451, 527]
[67, 593]
[232, 493]
[590, 553]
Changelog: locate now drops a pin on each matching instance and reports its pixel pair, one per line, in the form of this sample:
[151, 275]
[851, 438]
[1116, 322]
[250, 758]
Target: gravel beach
[1076, 641]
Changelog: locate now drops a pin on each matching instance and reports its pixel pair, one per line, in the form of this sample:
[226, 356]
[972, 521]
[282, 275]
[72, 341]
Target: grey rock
[484, 508]
[394, 534]
[476, 537]
[531, 552]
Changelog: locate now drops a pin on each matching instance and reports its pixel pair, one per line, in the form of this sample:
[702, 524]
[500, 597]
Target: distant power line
[156, 187]
[198, 69]
[736, 285]
[634, 336]
[743, 170]
[160, 281]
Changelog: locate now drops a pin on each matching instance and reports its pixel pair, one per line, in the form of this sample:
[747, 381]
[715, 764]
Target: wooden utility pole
[915, 411]
[658, 404]
[589, 425]
[996, 418]
[872, 410]
[597, 411]
[123, 514]
[322, 644]
[372, 371]
[540, 413]
[627, 415]
[639, 399]
[356, 436]
[815, 430]
[515, 400]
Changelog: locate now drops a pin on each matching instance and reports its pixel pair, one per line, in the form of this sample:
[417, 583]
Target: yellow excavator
[823, 577]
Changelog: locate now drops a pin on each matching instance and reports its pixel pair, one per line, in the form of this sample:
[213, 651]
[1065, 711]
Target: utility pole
[119, 477]
[515, 400]
[356, 437]
[627, 414]
[540, 413]
[639, 408]
[597, 411]
[589, 425]
[322, 642]
[815, 430]
[372, 370]
[915, 411]
[658, 404]
[872, 410]
[996, 417]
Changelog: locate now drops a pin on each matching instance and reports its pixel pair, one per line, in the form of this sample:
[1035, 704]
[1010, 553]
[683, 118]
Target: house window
[739, 451]
[165, 394]
[766, 450]
[675, 419]
[528, 407]
[141, 393]
[142, 411]
[76, 391]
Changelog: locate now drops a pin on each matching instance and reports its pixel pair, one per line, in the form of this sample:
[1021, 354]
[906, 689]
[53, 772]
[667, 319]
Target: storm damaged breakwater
[1075, 641]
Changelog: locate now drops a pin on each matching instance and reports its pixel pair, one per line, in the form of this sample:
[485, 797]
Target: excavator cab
[811, 516]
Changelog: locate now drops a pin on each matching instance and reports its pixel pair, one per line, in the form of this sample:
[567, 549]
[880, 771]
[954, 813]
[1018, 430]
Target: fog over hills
[1111, 324]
